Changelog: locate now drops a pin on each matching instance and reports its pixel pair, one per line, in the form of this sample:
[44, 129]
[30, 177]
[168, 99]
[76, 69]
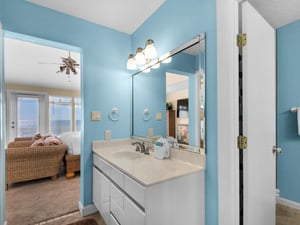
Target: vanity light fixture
[143, 58]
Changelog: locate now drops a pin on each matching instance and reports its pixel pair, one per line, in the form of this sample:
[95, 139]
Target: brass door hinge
[241, 40]
[242, 142]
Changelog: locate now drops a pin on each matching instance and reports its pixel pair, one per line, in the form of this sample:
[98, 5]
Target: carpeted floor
[32, 202]
[75, 217]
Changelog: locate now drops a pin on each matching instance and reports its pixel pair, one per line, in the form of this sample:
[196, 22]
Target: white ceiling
[122, 15]
[31, 64]
[127, 15]
[21, 58]
[278, 12]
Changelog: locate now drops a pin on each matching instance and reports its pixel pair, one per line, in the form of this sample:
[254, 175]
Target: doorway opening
[43, 102]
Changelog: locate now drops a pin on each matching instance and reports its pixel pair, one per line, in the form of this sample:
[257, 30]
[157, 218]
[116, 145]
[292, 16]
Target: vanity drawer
[117, 176]
[135, 190]
[101, 164]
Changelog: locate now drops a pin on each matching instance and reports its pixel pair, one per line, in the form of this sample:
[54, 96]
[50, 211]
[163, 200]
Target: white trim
[87, 210]
[228, 164]
[288, 203]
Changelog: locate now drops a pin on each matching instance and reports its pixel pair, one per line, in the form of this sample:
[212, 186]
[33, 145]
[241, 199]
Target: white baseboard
[288, 203]
[87, 210]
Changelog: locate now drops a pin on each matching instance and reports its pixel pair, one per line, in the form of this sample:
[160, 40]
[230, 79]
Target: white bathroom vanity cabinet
[136, 189]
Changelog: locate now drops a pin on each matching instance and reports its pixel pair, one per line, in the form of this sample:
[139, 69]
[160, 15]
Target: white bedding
[72, 140]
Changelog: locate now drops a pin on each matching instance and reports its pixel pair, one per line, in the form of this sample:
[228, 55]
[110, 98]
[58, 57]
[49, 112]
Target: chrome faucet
[140, 147]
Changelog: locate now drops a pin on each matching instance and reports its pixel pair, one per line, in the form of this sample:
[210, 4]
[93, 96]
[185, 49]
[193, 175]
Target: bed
[72, 156]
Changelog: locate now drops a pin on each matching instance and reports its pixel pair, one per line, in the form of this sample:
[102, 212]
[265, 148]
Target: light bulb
[144, 70]
[131, 63]
[150, 51]
[140, 57]
[166, 58]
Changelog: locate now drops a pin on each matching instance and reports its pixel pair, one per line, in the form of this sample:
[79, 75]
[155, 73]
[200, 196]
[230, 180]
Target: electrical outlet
[107, 135]
[150, 132]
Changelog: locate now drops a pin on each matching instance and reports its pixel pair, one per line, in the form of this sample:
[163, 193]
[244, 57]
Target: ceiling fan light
[150, 50]
[131, 62]
[140, 57]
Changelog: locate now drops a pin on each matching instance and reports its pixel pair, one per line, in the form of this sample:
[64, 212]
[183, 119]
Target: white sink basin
[128, 155]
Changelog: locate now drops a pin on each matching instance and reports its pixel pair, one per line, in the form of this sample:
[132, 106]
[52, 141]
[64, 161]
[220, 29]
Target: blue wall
[174, 23]
[288, 95]
[106, 83]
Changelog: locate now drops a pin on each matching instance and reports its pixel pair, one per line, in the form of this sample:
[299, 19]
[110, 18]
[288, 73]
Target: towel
[51, 140]
[298, 119]
[39, 142]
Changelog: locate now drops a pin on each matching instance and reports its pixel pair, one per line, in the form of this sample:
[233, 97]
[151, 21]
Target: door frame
[227, 62]
[8, 34]
[228, 115]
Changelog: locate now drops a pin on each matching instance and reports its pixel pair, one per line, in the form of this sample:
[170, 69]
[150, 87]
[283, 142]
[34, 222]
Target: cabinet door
[117, 204]
[113, 221]
[134, 215]
[101, 194]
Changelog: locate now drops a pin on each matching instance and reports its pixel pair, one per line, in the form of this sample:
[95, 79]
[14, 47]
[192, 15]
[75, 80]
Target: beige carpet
[32, 202]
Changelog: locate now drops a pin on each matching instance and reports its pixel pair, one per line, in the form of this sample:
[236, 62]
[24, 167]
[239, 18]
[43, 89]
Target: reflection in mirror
[170, 101]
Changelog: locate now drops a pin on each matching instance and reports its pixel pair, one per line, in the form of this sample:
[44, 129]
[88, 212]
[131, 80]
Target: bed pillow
[71, 140]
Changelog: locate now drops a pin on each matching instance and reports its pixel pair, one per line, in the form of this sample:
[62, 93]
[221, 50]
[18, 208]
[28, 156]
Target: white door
[27, 114]
[259, 98]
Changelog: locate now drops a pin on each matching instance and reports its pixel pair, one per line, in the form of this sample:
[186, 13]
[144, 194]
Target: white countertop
[145, 169]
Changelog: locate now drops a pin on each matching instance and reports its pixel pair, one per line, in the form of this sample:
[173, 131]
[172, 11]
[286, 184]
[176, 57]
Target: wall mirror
[170, 101]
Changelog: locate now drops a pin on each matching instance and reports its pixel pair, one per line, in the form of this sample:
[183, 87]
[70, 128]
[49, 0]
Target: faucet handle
[138, 149]
[147, 150]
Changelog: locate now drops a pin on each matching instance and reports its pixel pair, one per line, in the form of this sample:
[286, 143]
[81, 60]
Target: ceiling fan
[68, 65]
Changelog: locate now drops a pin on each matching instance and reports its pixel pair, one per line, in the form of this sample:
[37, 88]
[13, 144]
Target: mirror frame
[194, 41]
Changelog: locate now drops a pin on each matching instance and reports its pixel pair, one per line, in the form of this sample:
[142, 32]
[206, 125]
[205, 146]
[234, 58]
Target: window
[27, 116]
[60, 114]
[77, 106]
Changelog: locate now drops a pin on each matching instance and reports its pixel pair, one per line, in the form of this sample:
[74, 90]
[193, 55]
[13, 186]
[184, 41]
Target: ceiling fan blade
[52, 63]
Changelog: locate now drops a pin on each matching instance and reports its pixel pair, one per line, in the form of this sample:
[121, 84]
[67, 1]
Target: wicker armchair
[25, 163]
[23, 138]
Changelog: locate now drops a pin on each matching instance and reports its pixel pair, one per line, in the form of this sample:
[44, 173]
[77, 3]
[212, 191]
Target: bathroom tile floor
[287, 216]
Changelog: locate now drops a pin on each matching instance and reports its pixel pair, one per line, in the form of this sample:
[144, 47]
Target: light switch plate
[158, 116]
[95, 116]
